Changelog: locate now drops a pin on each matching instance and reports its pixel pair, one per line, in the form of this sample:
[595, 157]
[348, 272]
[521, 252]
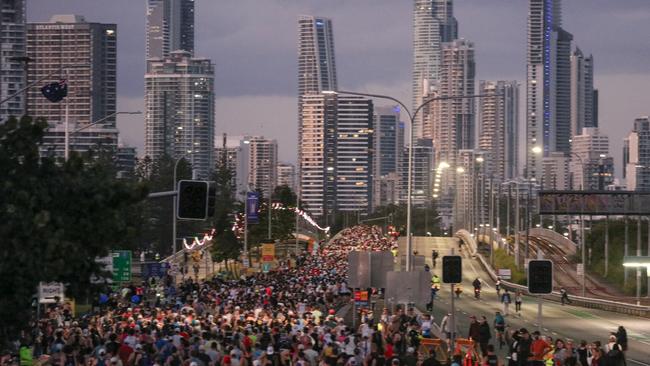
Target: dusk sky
[253, 44]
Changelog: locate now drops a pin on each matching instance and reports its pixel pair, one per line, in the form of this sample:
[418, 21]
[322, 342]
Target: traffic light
[540, 276]
[452, 269]
[212, 198]
[192, 200]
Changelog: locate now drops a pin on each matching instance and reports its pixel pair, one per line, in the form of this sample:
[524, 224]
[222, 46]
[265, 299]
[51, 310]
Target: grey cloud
[253, 45]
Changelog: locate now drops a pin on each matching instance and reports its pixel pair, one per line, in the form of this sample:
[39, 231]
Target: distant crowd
[290, 316]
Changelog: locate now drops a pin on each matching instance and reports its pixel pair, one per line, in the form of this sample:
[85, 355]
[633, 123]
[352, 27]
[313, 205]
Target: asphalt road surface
[565, 322]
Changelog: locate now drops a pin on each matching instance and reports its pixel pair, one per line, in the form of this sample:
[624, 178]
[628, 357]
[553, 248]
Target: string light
[238, 227]
[196, 242]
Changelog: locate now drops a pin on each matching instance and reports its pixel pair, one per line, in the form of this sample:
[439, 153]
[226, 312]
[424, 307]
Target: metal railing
[588, 302]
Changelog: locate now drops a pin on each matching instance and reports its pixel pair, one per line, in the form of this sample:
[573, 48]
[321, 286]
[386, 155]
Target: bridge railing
[588, 302]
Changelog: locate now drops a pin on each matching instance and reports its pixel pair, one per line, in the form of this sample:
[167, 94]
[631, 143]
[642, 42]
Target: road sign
[504, 273]
[368, 269]
[48, 292]
[122, 265]
[408, 287]
[268, 252]
[154, 269]
[361, 298]
[106, 266]
[246, 262]
[540, 276]
[580, 269]
[266, 267]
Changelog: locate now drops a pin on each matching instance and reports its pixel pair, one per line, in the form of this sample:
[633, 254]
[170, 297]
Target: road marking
[638, 362]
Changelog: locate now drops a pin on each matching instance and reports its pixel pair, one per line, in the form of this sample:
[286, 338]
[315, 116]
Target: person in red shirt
[538, 348]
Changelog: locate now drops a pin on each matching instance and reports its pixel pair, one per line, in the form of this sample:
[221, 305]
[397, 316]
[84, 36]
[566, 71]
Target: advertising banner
[253, 207]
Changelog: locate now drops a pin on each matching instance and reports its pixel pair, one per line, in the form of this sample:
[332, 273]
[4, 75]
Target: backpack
[614, 354]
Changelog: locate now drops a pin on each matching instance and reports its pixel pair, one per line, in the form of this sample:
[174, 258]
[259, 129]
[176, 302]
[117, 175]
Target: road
[565, 322]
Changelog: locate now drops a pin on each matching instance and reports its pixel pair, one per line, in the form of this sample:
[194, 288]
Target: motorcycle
[477, 293]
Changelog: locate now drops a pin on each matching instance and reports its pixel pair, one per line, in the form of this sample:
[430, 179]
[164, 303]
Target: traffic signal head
[452, 269]
[540, 277]
[212, 198]
[192, 200]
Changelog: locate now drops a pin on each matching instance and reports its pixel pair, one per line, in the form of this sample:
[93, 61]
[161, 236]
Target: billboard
[593, 203]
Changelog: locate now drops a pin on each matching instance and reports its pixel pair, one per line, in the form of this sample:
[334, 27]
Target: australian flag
[55, 92]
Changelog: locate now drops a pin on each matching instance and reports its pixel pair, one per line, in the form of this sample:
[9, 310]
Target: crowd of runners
[291, 316]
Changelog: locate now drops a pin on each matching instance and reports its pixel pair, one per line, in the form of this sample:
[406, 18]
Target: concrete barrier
[556, 238]
[587, 302]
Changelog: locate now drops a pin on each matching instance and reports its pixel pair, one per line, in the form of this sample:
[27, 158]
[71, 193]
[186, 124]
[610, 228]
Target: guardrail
[556, 238]
[587, 302]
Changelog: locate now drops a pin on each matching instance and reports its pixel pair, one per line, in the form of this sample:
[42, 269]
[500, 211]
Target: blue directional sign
[154, 269]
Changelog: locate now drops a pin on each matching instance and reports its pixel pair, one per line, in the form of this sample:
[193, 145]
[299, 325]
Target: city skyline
[258, 66]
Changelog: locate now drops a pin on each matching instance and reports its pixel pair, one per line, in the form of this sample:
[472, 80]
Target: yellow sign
[268, 252]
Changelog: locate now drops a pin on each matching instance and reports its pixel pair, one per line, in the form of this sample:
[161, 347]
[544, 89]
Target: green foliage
[283, 221]
[157, 214]
[57, 217]
[503, 260]
[595, 239]
[225, 245]
[424, 219]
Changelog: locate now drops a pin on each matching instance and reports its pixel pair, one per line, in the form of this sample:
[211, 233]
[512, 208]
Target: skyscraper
[548, 87]
[233, 153]
[316, 66]
[317, 154]
[422, 180]
[263, 162]
[354, 144]
[583, 104]
[179, 99]
[388, 147]
[591, 166]
[555, 171]
[637, 156]
[286, 174]
[336, 157]
[316, 62]
[170, 27]
[86, 54]
[433, 24]
[499, 127]
[12, 49]
[454, 120]
[389, 140]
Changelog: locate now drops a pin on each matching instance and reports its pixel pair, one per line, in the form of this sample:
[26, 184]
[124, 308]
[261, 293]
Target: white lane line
[638, 362]
[476, 273]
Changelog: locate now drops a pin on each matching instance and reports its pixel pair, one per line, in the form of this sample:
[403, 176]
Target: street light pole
[68, 133]
[409, 243]
[174, 205]
[582, 226]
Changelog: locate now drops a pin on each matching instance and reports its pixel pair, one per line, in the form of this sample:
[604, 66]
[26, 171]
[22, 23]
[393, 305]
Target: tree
[225, 245]
[57, 218]
[284, 219]
[156, 230]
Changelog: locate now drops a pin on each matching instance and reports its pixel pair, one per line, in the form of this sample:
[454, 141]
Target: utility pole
[517, 225]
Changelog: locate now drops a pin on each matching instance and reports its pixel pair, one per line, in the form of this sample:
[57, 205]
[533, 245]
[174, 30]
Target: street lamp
[582, 228]
[68, 134]
[638, 262]
[537, 150]
[409, 243]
